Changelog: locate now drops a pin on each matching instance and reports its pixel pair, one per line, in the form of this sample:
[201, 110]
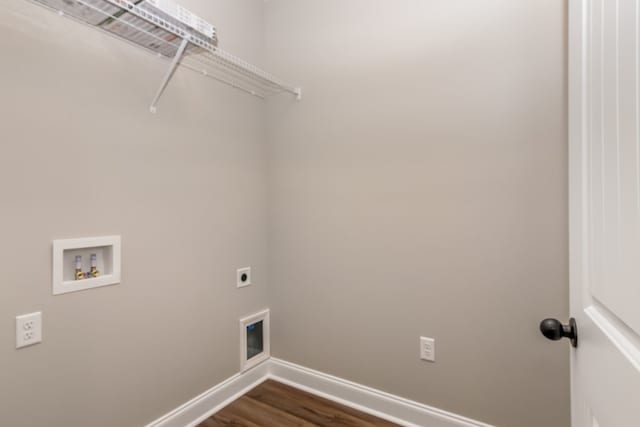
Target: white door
[604, 117]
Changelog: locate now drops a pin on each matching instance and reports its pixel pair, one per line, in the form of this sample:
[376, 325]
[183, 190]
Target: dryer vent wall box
[80, 264]
[254, 340]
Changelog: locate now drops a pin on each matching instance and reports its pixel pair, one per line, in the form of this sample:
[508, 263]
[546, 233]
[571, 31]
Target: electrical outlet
[28, 329]
[428, 349]
[243, 277]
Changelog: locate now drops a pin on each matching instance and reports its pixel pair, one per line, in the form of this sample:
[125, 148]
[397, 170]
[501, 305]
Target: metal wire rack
[145, 26]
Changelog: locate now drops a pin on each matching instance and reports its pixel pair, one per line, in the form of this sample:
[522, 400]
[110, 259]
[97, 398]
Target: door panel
[613, 116]
[604, 118]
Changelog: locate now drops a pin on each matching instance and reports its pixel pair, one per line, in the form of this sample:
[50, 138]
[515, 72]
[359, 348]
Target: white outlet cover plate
[242, 283]
[28, 329]
[428, 349]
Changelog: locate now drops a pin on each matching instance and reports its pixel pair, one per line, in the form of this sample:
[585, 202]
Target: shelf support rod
[167, 77]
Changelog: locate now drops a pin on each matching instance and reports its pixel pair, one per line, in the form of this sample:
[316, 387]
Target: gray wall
[420, 189]
[80, 155]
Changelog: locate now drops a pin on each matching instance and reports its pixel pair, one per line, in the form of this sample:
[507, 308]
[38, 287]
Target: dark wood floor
[273, 404]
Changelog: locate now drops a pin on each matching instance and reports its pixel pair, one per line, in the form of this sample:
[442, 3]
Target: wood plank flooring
[273, 404]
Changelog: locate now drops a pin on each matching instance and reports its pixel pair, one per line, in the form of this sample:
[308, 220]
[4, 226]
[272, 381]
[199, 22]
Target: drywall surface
[419, 188]
[81, 156]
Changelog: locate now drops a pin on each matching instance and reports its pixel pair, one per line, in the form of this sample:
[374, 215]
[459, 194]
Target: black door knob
[554, 330]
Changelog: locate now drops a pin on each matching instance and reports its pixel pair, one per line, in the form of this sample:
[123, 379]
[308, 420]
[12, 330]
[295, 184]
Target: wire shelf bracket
[167, 77]
[174, 33]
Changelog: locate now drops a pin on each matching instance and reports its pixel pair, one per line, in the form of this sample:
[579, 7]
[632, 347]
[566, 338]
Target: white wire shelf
[138, 22]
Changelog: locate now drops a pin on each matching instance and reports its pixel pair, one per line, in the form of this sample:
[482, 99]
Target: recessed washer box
[72, 263]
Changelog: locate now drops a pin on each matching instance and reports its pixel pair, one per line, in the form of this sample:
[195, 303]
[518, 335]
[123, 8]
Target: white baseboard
[211, 401]
[366, 399]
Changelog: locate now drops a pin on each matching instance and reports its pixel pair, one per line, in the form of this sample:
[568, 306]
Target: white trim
[578, 188]
[211, 401]
[263, 316]
[387, 406]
